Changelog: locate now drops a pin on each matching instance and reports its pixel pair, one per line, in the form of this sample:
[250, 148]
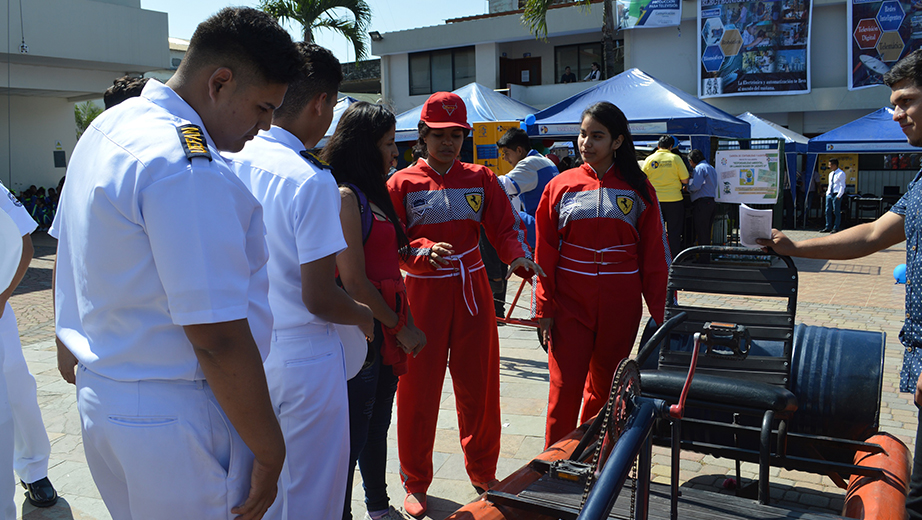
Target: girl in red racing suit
[444, 203]
[600, 240]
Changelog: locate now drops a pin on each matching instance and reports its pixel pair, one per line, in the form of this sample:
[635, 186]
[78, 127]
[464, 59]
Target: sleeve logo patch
[474, 200]
[316, 161]
[193, 142]
[14, 200]
[626, 204]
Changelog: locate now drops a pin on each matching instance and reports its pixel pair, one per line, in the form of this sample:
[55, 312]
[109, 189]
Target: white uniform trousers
[161, 449]
[306, 374]
[7, 483]
[31, 448]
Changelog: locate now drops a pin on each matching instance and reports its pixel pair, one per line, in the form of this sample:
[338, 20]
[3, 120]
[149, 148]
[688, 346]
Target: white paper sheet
[754, 223]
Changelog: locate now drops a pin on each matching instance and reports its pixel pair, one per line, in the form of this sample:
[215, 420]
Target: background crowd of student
[41, 204]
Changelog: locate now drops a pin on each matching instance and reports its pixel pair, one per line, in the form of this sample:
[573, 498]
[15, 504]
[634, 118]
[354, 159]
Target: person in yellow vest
[667, 173]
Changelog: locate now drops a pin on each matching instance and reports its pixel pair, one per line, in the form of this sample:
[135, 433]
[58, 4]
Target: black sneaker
[825, 230]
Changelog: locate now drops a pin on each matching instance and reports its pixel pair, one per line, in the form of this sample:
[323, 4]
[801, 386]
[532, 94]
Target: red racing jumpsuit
[453, 305]
[602, 247]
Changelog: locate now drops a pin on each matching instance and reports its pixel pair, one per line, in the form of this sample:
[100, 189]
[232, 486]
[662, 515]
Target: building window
[580, 57]
[444, 70]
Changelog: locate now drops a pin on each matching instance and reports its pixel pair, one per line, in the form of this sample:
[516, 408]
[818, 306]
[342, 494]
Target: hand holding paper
[754, 223]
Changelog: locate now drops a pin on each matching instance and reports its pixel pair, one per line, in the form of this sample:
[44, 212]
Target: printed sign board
[753, 48]
[880, 33]
[485, 150]
[634, 14]
[748, 176]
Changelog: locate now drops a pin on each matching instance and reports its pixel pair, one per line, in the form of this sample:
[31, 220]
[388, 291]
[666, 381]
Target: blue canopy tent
[483, 104]
[794, 143]
[873, 133]
[652, 107]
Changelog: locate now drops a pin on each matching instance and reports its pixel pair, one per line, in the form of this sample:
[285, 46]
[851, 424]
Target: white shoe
[392, 514]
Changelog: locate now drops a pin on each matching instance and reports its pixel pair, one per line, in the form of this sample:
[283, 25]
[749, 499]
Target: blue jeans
[833, 212]
[371, 399]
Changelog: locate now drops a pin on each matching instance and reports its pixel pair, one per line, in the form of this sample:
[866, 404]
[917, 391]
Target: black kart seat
[721, 390]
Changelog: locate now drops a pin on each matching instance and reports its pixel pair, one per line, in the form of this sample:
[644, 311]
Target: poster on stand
[633, 14]
[748, 176]
[879, 34]
[753, 48]
[485, 150]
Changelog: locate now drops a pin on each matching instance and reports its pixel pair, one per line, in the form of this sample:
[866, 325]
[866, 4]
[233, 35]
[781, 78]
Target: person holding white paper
[901, 223]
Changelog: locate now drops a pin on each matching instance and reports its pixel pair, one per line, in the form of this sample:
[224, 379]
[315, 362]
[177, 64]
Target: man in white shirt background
[834, 193]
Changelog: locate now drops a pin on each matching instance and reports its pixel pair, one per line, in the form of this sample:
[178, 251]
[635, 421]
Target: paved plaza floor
[857, 294]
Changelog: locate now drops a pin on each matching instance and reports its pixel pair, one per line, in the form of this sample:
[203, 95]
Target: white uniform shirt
[302, 206]
[151, 240]
[836, 183]
[11, 205]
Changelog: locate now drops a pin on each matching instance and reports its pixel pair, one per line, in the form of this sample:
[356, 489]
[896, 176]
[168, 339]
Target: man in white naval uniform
[161, 290]
[31, 448]
[305, 367]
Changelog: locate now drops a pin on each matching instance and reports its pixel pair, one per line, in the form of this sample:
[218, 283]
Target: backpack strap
[364, 210]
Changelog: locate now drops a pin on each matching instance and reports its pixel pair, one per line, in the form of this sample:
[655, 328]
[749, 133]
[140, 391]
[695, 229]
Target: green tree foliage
[84, 114]
[322, 14]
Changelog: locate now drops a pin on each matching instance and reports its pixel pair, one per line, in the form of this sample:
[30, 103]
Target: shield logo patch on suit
[626, 204]
[474, 200]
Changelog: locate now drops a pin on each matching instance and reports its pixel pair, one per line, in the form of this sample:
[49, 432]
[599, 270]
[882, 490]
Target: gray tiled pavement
[856, 294]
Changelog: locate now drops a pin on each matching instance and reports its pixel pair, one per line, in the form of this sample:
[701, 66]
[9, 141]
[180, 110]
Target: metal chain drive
[625, 385]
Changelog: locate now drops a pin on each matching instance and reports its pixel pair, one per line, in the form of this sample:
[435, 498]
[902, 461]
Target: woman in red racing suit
[600, 240]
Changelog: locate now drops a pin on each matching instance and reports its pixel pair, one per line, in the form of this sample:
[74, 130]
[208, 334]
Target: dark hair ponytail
[612, 118]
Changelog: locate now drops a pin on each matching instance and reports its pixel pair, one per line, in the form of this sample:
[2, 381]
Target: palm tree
[84, 114]
[535, 17]
[316, 14]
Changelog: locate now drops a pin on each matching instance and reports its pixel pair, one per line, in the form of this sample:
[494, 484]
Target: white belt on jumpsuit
[621, 259]
[461, 264]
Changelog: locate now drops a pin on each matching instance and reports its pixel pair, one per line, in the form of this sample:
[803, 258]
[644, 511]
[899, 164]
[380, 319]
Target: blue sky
[387, 16]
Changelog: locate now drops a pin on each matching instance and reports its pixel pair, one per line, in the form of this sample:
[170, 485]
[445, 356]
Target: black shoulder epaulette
[193, 141]
[316, 161]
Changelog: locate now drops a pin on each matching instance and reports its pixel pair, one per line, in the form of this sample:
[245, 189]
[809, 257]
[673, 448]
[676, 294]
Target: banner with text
[747, 176]
[754, 48]
[880, 33]
[649, 13]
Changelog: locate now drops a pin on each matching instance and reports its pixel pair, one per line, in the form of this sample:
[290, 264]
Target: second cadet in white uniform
[305, 368]
[31, 446]
[161, 286]
[24, 224]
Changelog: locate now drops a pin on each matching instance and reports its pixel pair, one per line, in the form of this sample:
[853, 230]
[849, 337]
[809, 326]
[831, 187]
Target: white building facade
[494, 49]
[75, 49]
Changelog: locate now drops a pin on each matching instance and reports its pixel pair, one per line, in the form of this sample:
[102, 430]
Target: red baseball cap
[444, 110]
